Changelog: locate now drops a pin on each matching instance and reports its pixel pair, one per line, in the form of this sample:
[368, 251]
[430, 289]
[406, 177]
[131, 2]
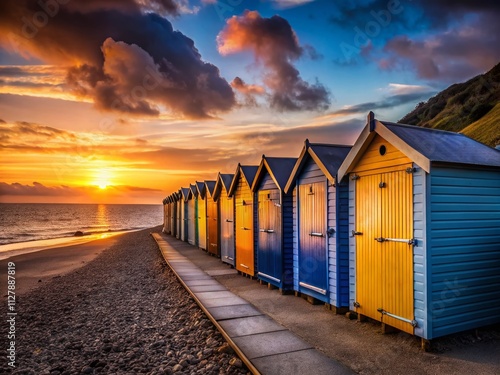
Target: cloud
[144, 70]
[389, 102]
[454, 55]
[275, 46]
[284, 4]
[38, 189]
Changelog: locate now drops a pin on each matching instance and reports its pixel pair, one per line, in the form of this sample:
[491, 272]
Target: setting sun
[103, 179]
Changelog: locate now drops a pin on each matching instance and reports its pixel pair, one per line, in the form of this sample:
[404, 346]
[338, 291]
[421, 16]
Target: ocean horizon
[29, 222]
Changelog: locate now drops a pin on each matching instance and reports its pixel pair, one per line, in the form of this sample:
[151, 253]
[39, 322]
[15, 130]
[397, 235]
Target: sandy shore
[34, 269]
[108, 307]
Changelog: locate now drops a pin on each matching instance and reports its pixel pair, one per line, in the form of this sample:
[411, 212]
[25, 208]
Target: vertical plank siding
[275, 250]
[227, 228]
[202, 223]
[190, 221]
[244, 227]
[464, 258]
[212, 226]
[312, 251]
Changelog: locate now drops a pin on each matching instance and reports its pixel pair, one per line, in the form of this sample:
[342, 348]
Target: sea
[34, 225]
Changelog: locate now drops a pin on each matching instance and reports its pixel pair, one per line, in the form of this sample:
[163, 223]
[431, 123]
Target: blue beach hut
[320, 223]
[274, 229]
[424, 218]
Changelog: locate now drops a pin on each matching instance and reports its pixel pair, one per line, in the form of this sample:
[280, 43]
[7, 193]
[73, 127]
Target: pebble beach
[123, 312]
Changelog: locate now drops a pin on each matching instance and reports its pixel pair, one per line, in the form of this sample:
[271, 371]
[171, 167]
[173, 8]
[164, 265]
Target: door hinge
[355, 233]
[411, 170]
[356, 304]
[355, 177]
[382, 185]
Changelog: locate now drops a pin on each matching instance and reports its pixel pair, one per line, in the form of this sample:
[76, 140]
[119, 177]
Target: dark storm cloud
[275, 46]
[121, 54]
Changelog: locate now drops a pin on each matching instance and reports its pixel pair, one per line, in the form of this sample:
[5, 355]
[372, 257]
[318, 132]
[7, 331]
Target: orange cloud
[275, 46]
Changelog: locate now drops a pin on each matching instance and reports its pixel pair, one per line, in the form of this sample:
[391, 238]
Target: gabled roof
[186, 193]
[194, 190]
[248, 171]
[201, 188]
[328, 157]
[223, 183]
[278, 168]
[210, 185]
[423, 146]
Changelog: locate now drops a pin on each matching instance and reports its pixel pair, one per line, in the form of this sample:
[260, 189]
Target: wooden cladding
[244, 228]
[384, 253]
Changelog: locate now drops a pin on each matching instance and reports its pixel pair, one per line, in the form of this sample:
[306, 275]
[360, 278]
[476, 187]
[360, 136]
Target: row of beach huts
[402, 227]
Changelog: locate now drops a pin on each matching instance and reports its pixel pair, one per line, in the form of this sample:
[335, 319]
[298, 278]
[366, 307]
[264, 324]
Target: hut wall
[212, 226]
[202, 223]
[190, 221]
[463, 249]
[311, 174]
[173, 218]
[286, 231]
[227, 228]
[245, 222]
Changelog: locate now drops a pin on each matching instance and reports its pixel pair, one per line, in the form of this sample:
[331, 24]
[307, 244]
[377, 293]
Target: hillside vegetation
[471, 107]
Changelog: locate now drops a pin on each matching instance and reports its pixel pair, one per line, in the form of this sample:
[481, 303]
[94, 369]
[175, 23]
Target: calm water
[32, 222]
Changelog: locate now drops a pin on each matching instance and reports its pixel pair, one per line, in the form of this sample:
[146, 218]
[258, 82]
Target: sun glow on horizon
[103, 179]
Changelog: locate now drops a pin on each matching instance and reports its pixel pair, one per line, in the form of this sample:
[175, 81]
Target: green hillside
[471, 107]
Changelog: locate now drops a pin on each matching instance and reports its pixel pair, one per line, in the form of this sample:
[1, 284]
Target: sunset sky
[125, 101]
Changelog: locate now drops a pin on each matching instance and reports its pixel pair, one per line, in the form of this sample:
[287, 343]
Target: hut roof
[194, 190]
[278, 168]
[423, 145]
[248, 171]
[201, 188]
[328, 157]
[223, 182]
[185, 192]
[210, 187]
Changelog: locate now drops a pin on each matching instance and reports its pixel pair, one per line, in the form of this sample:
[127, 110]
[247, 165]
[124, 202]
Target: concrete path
[265, 346]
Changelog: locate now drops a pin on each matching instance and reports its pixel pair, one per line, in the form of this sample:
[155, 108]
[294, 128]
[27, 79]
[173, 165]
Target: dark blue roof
[227, 178]
[444, 146]
[331, 156]
[200, 186]
[185, 193]
[280, 169]
[210, 186]
[249, 171]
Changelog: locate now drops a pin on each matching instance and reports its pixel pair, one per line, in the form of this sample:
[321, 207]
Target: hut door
[212, 226]
[244, 237]
[312, 237]
[384, 250]
[227, 230]
[269, 251]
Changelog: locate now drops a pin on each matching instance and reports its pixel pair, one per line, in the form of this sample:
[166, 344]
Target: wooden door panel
[312, 242]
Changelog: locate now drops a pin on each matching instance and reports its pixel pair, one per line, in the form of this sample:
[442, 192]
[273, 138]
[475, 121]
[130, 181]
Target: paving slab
[228, 301]
[309, 361]
[250, 326]
[265, 344]
[231, 312]
[207, 288]
[202, 296]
